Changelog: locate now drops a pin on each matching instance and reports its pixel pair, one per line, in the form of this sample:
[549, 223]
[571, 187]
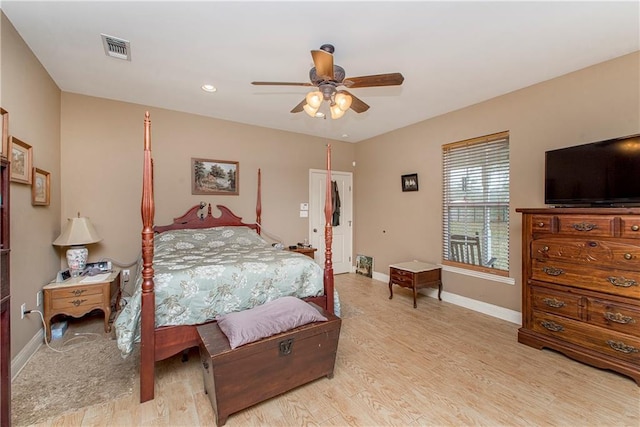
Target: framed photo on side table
[21, 157]
[40, 188]
[215, 177]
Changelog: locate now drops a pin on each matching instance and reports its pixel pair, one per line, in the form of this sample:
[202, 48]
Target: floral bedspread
[199, 274]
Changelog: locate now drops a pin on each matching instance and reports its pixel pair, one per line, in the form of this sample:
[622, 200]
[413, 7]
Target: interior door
[343, 232]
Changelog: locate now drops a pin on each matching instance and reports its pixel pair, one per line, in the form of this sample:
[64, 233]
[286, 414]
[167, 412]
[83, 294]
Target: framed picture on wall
[215, 177]
[21, 156]
[410, 182]
[40, 188]
[4, 122]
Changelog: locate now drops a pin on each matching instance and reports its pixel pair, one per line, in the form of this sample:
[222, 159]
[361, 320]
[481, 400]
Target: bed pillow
[273, 317]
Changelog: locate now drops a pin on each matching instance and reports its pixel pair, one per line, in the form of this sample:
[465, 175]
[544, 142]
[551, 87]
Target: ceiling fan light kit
[327, 77]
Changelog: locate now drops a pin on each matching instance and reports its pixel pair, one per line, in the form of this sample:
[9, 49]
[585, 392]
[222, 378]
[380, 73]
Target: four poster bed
[227, 241]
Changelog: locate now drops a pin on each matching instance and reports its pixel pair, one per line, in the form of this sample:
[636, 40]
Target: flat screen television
[604, 173]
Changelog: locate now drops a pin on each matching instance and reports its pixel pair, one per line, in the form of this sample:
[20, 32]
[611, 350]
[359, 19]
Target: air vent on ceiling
[116, 48]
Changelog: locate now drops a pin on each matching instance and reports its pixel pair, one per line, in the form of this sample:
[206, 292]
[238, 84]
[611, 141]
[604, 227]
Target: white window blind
[476, 203]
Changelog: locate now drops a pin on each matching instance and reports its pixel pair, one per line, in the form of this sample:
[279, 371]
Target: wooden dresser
[581, 285]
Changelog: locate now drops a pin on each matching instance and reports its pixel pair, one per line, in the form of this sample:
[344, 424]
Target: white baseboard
[475, 305]
[21, 359]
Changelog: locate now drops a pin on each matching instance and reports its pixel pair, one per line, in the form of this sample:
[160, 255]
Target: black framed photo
[410, 182]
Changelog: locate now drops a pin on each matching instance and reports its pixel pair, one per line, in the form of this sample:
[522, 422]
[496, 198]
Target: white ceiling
[452, 54]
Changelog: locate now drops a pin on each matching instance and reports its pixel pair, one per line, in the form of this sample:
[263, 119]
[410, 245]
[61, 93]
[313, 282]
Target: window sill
[479, 274]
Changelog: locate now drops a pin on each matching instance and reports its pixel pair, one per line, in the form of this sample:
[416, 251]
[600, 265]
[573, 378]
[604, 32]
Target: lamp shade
[77, 231]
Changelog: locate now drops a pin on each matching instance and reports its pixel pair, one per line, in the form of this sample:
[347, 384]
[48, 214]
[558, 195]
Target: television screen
[605, 173]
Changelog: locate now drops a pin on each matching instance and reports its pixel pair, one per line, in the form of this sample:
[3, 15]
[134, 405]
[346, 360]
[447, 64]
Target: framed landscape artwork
[21, 156]
[40, 188]
[215, 177]
[364, 265]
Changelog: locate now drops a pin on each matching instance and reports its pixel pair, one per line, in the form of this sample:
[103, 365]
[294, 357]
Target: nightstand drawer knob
[541, 224]
[77, 302]
[628, 256]
[635, 228]
[77, 292]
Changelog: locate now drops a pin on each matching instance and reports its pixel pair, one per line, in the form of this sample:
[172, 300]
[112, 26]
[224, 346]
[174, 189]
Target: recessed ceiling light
[209, 88]
[344, 135]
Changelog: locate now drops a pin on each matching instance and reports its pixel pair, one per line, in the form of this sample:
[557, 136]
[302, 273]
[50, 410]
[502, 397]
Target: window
[476, 204]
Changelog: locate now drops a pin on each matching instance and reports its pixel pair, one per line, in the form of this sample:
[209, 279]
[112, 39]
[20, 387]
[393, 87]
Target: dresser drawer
[75, 291]
[582, 225]
[610, 281]
[541, 223]
[630, 227]
[617, 317]
[562, 303]
[595, 253]
[76, 302]
[621, 346]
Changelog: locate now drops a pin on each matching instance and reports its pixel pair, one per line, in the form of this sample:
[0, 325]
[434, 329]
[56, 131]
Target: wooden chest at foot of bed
[252, 373]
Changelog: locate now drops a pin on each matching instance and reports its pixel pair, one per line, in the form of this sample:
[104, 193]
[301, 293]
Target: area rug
[89, 371]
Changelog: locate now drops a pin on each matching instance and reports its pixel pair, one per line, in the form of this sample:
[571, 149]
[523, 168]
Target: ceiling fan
[328, 77]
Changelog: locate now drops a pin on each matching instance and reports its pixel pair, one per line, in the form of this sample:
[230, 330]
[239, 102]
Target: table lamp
[77, 233]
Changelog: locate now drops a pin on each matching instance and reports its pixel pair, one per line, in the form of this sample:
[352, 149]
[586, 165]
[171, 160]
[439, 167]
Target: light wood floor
[435, 365]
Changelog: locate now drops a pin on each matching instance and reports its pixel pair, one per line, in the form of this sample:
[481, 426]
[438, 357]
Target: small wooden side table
[310, 252]
[415, 275]
[75, 298]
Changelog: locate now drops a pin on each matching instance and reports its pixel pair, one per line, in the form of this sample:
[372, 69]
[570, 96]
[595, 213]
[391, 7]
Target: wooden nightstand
[415, 275]
[75, 298]
[310, 252]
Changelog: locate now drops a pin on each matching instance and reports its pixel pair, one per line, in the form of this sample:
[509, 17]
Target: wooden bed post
[259, 203]
[328, 237]
[147, 339]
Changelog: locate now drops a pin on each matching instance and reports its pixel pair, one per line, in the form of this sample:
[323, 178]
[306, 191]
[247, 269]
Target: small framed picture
[215, 177]
[4, 147]
[410, 182]
[21, 161]
[40, 188]
[364, 265]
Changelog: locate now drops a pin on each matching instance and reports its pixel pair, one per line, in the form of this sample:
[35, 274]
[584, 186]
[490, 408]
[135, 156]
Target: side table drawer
[76, 302]
[75, 292]
[401, 277]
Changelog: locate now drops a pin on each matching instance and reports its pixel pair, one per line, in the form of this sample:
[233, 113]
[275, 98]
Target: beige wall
[102, 143]
[33, 102]
[596, 103]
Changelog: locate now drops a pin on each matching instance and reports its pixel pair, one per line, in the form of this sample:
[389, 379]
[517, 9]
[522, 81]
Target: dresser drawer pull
[584, 226]
[541, 224]
[635, 228]
[77, 302]
[552, 326]
[622, 347]
[77, 292]
[552, 302]
[628, 256]
[621, 282]
[618, 318]
[553, 271]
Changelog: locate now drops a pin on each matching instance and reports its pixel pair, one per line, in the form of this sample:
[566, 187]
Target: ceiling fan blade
[357, 105]
[390, 79]
[323, 61]
[298, 108]
[281, 84]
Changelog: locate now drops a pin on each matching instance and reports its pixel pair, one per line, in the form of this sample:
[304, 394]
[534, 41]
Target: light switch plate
[304, 206]
[304, 214]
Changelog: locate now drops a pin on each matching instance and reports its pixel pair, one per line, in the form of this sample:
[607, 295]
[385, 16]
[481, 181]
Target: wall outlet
[23, 308]
[125, 275]
[39, 299]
